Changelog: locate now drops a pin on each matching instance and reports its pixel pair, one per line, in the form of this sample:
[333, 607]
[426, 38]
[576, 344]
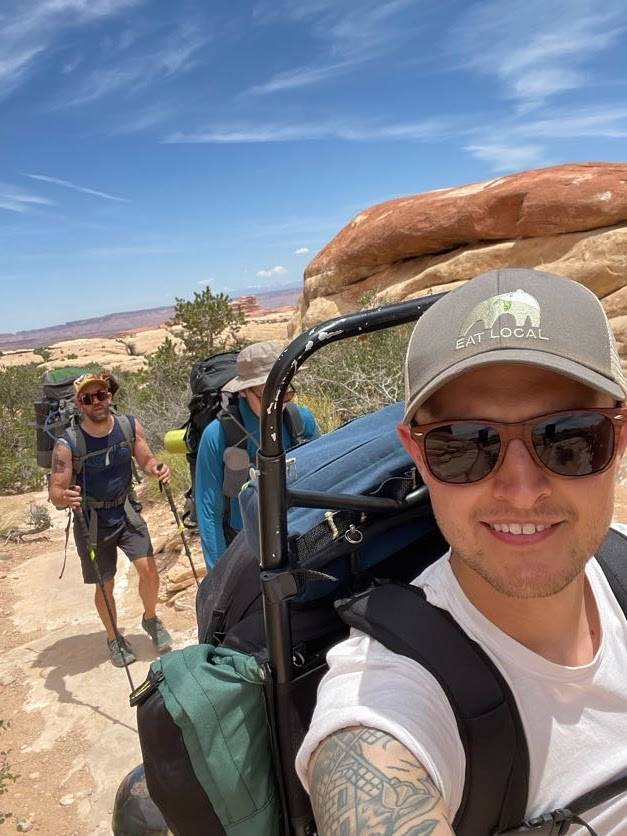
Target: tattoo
[365, 783]
[58, 465]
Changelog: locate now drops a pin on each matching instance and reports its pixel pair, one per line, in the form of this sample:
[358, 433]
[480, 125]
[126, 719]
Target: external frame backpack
[56, 409]
[209, 758]
[208, 402]
[205, 780]
[216, 762]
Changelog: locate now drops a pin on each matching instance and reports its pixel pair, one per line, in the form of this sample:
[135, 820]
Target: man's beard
[517, 588]
[516, 584]
[100, 418]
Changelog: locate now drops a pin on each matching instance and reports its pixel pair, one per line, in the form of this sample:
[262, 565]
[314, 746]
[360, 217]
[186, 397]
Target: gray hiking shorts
[133, 541]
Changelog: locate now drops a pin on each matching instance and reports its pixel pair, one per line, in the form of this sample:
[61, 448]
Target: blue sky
[149, 147]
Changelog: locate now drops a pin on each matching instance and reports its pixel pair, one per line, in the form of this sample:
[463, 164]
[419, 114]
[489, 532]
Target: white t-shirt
[575, 718]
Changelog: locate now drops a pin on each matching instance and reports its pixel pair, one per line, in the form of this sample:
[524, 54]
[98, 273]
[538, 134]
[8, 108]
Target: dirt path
[72, 735]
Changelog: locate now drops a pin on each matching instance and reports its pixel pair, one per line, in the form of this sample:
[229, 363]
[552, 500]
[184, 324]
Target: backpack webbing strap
[79, 444]
[612, 556]
[497, 757]
[230, 420]
[295, 423]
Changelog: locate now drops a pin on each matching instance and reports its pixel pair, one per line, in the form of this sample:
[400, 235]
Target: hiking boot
[157, 632]
[120, 652]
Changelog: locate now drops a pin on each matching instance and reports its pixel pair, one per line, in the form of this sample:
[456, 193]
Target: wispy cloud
[272, 271]
[428, 129]
[507, 157]
[301, 77]
[301, 251]
[608, 122]
[66, 184]
[29, 28]
[135, 70]
[522, 142]
[536, 49]
[14, 199]
[349, 34]
[145, 118]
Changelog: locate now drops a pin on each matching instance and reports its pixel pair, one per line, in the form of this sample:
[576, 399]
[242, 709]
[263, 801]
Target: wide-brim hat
[254, 364]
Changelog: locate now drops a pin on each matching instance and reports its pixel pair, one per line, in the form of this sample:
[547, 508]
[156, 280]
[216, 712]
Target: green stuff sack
[206, 743]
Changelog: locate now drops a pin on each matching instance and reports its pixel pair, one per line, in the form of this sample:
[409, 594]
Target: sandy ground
[72, 735]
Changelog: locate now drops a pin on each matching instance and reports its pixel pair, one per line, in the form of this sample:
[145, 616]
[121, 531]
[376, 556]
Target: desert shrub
[179, 477]
[323, 407]
[355, 376]
[43, 351]
[20, 387]
[38, 516]
[158, 394]
[7, 776]
[209, 323]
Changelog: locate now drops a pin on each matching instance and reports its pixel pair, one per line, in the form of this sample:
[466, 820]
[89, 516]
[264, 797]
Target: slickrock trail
[72, 735]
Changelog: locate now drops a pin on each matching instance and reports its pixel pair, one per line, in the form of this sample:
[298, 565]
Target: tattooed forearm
[58, 464]
[364, 782]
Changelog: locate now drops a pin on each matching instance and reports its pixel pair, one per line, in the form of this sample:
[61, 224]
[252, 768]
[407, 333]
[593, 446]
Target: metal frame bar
[274, 496]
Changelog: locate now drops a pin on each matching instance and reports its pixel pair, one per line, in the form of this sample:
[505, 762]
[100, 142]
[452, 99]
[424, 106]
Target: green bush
[352, 377]
[43, 351]
[159, 394]
[20, 387]
[209, 322]
[6, 774]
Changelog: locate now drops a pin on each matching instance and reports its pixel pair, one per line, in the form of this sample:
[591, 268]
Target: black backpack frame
[495, 793]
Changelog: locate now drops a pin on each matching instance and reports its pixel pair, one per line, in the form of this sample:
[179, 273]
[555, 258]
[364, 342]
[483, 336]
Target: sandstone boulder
[569, 219]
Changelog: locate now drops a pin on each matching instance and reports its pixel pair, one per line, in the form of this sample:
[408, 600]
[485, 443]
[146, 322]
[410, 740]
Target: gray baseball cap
[513, 316]
[253, 365]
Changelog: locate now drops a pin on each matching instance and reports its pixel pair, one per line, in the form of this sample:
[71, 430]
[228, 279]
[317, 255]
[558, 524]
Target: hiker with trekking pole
[229, 445]
[92, 475]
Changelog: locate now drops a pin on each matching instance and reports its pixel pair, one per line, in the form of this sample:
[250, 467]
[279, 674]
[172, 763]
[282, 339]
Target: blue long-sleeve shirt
[209, 496]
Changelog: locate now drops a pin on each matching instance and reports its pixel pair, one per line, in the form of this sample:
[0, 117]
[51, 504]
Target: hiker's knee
[146, 569]
[108, 588]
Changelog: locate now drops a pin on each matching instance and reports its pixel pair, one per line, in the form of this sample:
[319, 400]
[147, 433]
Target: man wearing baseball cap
[221, 470]
[515, 419]
[92, 470]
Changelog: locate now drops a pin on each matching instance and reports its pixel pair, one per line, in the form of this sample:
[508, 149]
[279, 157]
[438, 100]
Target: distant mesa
[132, 322]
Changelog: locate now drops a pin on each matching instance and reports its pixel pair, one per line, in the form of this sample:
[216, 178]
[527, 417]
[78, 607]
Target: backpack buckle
[556, 823]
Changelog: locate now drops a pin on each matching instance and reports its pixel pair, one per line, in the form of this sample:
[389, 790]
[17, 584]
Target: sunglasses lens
[462, 452]
[574, 445]
[101, 395]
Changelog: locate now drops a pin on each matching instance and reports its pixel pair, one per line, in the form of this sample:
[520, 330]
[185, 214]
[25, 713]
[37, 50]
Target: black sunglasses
[571, 444]
[89, 397]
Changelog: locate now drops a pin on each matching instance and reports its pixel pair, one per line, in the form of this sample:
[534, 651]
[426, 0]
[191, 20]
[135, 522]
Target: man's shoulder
[212, 436]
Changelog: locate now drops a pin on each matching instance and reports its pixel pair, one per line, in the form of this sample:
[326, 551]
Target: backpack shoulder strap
[489, 724]
[612, 556]
[128, 429]
[230, 419]
[78, 445]
[231, 422]
[295, 423]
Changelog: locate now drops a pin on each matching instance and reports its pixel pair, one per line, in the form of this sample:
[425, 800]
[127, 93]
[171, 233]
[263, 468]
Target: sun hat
[253, 365]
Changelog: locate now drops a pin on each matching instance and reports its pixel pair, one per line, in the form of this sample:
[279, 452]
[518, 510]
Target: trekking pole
[179, 525]
[80, 516]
